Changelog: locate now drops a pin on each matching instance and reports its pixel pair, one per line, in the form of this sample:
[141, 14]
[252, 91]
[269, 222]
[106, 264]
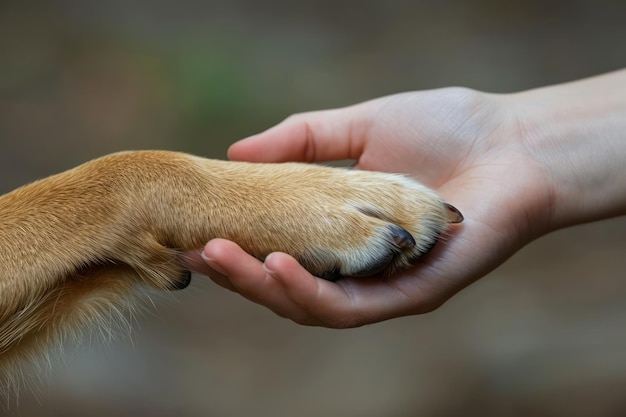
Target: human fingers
[194, 261]
[318, 302]
[246, 275]
[309, 137]
[285, 287]
[349, 302]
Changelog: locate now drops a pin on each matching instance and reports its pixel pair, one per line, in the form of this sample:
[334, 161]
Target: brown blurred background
[542, 336]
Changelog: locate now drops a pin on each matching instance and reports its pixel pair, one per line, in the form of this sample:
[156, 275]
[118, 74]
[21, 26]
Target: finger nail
[211, 262]
[266, 268]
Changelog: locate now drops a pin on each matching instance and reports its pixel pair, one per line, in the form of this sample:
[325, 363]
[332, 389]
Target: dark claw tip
[183, 281]
[402, 238]
[453, 214]
[332, 275]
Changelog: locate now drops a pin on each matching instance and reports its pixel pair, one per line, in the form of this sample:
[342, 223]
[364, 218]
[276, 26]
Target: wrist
[577, 134]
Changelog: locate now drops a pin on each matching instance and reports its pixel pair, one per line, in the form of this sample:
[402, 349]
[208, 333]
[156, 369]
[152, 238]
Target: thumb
[309, 137]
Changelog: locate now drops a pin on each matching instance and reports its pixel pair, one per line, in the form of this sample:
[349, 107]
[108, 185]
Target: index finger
[308, 137]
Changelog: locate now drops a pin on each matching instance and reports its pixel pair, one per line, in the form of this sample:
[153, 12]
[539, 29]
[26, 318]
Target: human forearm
[577, 132]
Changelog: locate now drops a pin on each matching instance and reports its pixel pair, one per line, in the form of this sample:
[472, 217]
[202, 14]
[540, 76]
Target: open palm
[465, 144]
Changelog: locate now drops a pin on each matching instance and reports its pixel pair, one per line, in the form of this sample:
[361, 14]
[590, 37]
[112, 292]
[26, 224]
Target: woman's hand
[492, 156]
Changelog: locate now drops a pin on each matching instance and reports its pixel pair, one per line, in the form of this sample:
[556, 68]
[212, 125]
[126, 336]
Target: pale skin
[517, 166]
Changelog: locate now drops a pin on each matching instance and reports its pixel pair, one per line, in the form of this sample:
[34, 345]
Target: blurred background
[541, 336]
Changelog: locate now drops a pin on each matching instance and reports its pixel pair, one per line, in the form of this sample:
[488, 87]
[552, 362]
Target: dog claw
[453, 214]
[332, 275]
[402, 238]
[183, 281]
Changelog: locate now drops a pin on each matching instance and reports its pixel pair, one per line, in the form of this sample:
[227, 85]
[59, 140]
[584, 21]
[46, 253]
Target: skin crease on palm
[479, 151]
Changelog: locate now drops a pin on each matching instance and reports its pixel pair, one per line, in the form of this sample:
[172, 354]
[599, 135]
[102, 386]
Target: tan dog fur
[74, 245]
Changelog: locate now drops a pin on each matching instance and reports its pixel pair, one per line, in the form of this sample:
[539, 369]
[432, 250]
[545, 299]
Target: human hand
[462, 143]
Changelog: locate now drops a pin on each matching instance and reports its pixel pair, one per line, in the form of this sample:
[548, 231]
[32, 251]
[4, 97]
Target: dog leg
[74, 245]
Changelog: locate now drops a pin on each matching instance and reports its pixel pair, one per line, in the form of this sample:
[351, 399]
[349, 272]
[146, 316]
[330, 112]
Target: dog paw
[389, 222]
[340, 223]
